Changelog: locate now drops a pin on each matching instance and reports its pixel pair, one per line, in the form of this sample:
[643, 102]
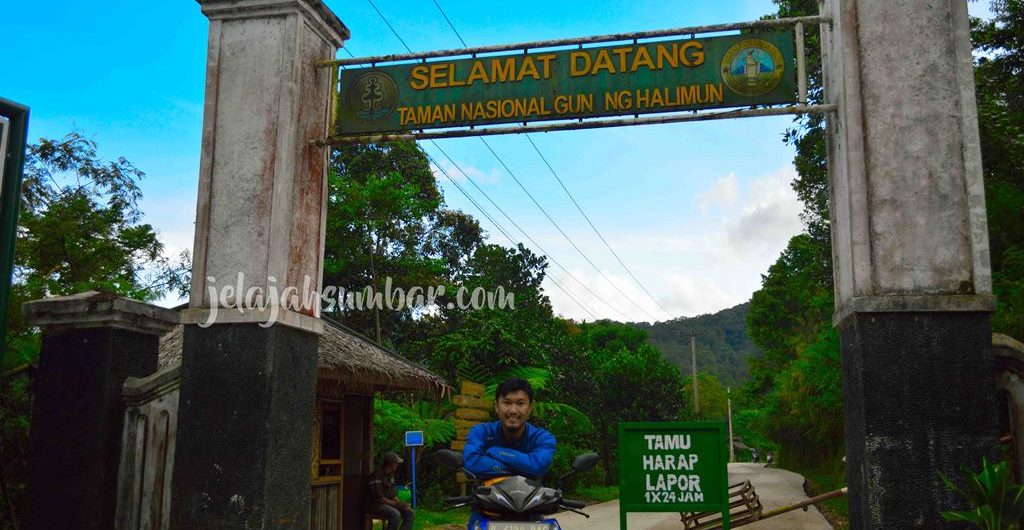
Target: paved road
[775, 487]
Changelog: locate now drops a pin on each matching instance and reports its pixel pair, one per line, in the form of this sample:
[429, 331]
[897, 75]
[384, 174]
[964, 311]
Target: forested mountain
[722, 343]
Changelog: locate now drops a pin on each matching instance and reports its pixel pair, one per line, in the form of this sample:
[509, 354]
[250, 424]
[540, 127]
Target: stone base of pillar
[92, 342]
[245, 428]
[919, 398]
[75, 443]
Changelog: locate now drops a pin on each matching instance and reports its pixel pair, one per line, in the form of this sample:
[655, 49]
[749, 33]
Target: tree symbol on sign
[372, 95]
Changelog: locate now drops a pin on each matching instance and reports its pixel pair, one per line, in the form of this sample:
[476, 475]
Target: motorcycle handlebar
[573, 504]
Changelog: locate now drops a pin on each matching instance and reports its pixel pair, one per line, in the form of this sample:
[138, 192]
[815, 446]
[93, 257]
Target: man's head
[513, 401]
[389, 462]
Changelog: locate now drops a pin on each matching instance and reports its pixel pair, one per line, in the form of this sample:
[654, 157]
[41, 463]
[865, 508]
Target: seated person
[383, 497]
[509, 446]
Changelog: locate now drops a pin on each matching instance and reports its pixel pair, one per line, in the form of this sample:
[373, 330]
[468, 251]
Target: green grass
[824, 479]
[441, 520]
[595, 494]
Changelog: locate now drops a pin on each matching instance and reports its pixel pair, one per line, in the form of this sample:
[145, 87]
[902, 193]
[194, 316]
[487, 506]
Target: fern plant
[998, 502]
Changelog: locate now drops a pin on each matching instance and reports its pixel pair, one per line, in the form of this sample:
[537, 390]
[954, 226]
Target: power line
[525, 234]
[591, 223]
[502, 162]
[500, 228]
[382, 17]
[464, 45]
[566, 236]
[573, 199]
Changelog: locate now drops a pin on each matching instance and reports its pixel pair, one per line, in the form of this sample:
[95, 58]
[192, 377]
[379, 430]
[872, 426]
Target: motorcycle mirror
[585, 462]
[449, 458]
[582, 463]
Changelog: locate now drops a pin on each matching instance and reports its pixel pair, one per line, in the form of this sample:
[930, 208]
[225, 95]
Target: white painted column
[908, 201]
[262, 186]
[247, 391]
[910, 252]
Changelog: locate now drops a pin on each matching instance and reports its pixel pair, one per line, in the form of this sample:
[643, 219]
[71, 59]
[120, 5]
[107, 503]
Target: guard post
[673, 467]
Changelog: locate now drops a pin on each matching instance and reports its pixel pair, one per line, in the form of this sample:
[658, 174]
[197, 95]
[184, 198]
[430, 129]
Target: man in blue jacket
[509, 446]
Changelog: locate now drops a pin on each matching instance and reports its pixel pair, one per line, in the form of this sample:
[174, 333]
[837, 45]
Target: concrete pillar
[910, 243]
[91, 343]
[248, 391]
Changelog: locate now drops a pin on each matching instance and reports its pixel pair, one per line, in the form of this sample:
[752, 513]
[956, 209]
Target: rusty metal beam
[565, 126]
[805, 503]
[580, 41]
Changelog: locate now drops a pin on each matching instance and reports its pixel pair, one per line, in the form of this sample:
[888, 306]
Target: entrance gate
[912, 275]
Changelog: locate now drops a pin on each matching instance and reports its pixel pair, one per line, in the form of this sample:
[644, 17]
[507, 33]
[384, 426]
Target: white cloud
[770, 214]
[723, 193]
[703, 263]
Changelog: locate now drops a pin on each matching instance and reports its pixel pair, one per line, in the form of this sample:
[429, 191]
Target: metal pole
[12, 165]
[413, 470]
[801, 63]
[728, 392]
[693, 362]
[803, 504]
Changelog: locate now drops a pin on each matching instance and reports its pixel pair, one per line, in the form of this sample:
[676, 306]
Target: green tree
[386, 219]
[712, 395]
[80, 228]
[613, 374]
[999, 47]
[788, 312]
[495, 339]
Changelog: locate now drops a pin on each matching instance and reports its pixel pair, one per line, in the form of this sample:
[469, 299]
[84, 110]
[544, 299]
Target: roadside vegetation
[794, 396]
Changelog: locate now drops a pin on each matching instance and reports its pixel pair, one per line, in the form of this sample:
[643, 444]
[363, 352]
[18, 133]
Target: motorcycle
[514, 502]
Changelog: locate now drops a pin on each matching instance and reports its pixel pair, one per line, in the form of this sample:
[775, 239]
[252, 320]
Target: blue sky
[697, 211]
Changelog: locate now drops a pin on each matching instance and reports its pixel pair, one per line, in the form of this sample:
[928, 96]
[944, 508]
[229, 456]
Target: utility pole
[728, 401]
[693, 362]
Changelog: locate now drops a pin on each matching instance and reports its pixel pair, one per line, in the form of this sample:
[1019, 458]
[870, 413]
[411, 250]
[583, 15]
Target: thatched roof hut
[349, 363]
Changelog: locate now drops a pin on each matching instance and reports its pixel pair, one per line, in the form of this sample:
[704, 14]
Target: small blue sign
[413, 438]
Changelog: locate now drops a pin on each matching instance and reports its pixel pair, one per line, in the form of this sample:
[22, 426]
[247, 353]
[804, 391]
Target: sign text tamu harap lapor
[672, 467]
[663, 76]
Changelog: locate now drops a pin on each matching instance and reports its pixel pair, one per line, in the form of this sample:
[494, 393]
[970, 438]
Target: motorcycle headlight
[477, 526]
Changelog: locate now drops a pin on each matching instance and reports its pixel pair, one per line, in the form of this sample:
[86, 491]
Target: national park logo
[373, 96]
[752, 67]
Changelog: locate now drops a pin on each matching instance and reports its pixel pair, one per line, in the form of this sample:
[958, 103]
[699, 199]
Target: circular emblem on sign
[752, 67]
[372, 96]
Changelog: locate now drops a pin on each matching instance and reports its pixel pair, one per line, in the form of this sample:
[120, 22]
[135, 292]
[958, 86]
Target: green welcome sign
[626, 79]
[673, 467]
